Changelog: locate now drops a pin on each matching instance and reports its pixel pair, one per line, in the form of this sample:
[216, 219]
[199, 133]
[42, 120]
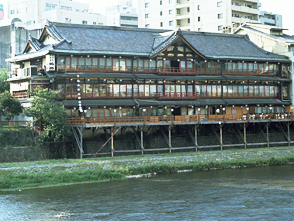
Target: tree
[9, 106]
[4, 85]
[50, 113]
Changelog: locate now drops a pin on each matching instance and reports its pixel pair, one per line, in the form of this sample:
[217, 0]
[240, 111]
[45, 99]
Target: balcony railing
[179, 119]
[176, 71]
[176, 96]
[20, 94]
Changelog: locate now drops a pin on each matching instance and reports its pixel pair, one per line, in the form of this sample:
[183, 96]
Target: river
[235, 194]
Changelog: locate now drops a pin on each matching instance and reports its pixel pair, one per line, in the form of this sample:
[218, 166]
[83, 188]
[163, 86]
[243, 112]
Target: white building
[34, 13]
[271, 39]
[196, 15]
[268, 18]
[122, 15]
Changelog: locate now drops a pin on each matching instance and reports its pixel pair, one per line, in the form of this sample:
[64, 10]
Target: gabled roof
[285, 39]
[32, 43]
[104, 40]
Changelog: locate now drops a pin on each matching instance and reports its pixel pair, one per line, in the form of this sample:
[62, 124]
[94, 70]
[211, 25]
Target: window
[178, 22]
[220, 28]
[178, 11]
[219, 16]
[219, 4]
[198, 18]
[66, 8]
[170, 12]
[170, 23]
[188, 20]
[100, 24]
[84, 22]
[146, 5]
[67, 20]
[94, 23]
[188, 9]
[198, 7]
[160, 13]
[12, 12]
[161, 24]
[147, 26]
[160, 2]
[199, 29]
[170, 1]
[50, 6]
[146, 15]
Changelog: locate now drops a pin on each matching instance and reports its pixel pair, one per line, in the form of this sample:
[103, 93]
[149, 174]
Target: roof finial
[179, 32]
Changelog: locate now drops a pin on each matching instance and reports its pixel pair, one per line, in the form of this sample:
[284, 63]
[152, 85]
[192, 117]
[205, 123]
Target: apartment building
[34, 13]
[122, 14]
[268, 18]
[197, 15]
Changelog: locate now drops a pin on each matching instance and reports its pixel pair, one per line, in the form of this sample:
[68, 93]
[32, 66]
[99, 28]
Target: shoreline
[40, 174]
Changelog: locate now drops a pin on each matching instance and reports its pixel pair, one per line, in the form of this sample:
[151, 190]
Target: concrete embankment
[60, 172]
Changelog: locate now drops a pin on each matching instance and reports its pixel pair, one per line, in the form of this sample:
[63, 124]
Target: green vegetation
[9, 107]
[16, 137]
[4, 85]
[58, 172]
[51, 114]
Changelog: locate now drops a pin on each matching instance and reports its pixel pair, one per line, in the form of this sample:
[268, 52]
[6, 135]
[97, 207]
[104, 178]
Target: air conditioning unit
[20, 73]
[50, 62]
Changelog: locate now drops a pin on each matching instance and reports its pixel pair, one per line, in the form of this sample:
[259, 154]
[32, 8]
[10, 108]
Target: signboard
[1, 7]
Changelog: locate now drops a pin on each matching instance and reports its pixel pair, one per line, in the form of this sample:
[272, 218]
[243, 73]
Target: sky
[282, 7]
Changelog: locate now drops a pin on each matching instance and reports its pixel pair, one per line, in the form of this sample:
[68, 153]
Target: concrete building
[1, 12]
[122, 15]
[271, 39]
[34, 13]
[268, 18]
[197, 15]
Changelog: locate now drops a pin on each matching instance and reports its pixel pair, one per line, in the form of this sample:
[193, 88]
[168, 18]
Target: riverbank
[15, 176]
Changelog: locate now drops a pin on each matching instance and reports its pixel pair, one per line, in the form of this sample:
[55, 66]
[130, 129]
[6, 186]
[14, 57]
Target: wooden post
[221, 135]
[142, 147]
[289, 137]
[81, 153]
[267, 138]
[196, 138]
[169, 138]
[245, 141]
[112, 142]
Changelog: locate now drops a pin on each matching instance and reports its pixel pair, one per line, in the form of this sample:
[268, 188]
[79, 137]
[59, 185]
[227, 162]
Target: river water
[236, 194]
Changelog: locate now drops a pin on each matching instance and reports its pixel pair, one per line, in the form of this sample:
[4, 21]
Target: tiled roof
[95, 39]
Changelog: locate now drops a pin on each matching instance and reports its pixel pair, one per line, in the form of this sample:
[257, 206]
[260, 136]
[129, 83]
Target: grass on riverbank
[53, 172]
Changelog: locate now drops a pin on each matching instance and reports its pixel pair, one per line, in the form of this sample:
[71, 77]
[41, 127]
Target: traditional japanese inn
[134, 79]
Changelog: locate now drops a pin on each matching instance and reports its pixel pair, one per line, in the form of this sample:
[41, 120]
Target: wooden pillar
[142, 147]
[169, 138]
[289, 137]
[245, 141]
[267, 138]
[112, 142]
[196, 137]
[221, 135]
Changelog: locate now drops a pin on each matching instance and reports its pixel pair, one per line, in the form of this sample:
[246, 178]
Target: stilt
[142, 141]
[245, 142]
[221, 135]
[267, 138]
[79, 140]
[289, 134]
[169, 138]
[112, 142]
[196, 137]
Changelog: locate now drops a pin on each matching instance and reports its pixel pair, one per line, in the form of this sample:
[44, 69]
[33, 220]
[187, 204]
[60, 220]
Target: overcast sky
[282, 7]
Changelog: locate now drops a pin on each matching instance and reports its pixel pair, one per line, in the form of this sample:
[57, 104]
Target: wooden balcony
[20, 95]
[176, 71]
[179, 119]
[176, 96]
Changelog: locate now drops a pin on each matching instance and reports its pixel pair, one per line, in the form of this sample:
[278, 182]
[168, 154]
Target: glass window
[225, 67]
[203, 67]
[102, 63]
[160, 89]
[95, 113]
[197, 89]
[74, 90]
[129, 90]
[230, 91]
[208, 70]
[123, 90]
[261, 70]
[74, 63]
[116, 90]
[267, 91]
[219, 90]
[82, 90]
[146, 65]
[277, 92]
[107, 112]
[61, 90]
[113, 112]
[230, 67]
[251, 91]
[213, 90]
[208, 90]
[250, 68]
[261, 91]
[81, 63]
[89, 64]
[102, 88]
[152, 65]
[240, 67]
[89, 90]
[95, 91]
[272, 91]
[225, 91]
[68, 90]
[115, 64]
[284, 70]
[276, 69]
[136, 90]
[245, 91]
[203, 90]
[109, 64]
[240, 91]
[255, 68]
[95, 63]
[256, 91]
[61, 63]
[271, 69]
[128, 65]
[67, 61]
[235, 67]
[135, 65]
[122, 64]
[235, 91]
[152, 90]
[141, 90]
[146, 90]
[140, 65]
